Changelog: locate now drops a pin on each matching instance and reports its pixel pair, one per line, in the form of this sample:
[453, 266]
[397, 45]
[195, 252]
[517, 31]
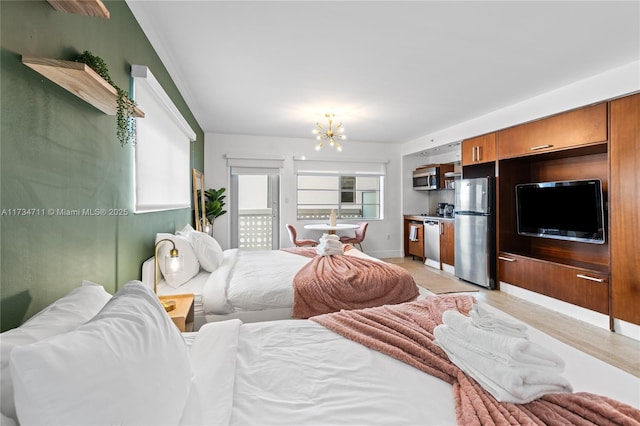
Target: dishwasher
[432, 243]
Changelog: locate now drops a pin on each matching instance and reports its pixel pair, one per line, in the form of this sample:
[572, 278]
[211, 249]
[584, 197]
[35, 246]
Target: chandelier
[330, 134]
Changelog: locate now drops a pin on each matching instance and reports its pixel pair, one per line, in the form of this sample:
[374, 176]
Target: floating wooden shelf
[79, 79]
[81, 7]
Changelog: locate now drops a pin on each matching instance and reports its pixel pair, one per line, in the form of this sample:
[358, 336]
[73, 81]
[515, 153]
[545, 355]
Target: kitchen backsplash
[442, 196]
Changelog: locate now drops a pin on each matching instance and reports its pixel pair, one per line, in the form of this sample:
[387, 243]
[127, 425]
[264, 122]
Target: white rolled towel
[508, 350]
[485, 319]
[329, 245]
[517, 384]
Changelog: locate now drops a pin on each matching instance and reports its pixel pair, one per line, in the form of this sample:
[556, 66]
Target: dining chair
[358, 238]
[293, 235]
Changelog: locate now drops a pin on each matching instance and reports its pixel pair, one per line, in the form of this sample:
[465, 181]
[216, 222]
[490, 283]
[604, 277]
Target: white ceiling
[392, 71]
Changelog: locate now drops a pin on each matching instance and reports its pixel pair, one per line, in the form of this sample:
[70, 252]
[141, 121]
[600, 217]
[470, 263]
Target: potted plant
[214, 203]
[126, 126]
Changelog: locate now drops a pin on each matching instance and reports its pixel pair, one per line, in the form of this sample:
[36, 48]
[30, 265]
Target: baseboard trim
[594, 318]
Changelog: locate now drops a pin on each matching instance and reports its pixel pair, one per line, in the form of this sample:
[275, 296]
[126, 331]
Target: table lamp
[206, 226]
[173, 265]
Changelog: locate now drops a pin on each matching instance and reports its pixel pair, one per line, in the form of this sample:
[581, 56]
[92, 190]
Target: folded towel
[517, 384]
[508, 350]
[329, 245]
[413, 233]
[485, 319]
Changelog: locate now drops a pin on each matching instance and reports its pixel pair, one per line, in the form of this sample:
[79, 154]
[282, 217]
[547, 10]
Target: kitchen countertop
[421, 217]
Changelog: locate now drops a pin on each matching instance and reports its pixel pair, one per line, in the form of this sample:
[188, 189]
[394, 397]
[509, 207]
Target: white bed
[239, 271]
[298, 372]
[230, 373]
[248, 285]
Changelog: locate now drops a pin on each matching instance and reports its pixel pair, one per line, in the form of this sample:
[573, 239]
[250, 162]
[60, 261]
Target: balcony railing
[255, 229]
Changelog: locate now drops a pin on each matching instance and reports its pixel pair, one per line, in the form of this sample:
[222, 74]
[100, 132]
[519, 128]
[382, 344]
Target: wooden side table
[182, 315]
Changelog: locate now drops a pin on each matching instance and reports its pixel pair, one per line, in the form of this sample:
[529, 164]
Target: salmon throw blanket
[405, 332]
[331, 283]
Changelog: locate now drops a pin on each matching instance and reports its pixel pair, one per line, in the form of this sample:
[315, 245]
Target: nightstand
[182, 315]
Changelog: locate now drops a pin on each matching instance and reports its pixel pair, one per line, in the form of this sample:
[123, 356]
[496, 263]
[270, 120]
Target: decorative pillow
[208, 251]
[190, 266]
[65, 314]
[128, 365]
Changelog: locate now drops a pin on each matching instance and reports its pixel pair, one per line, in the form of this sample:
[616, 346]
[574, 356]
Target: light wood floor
[617, 350]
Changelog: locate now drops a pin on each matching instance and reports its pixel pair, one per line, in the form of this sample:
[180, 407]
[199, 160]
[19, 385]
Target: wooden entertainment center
[599, 141]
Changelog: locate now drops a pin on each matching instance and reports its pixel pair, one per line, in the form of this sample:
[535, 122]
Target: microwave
[426, 179]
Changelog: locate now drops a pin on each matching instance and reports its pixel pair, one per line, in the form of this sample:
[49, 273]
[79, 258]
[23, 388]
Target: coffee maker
[449, 210]
[441, 209]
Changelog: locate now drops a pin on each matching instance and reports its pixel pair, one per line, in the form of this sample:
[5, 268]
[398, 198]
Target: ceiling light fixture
[329, 134]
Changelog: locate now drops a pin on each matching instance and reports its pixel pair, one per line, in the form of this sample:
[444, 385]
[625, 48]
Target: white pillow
[208, 251]
[190, 267]
[128, 365]
[65, 314]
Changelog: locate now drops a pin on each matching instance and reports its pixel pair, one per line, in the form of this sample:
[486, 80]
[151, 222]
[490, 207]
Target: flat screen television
[567, 210]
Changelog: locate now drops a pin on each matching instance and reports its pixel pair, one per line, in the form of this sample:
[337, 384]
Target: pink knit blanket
[311, 251]
[331, 283]
[405, 332]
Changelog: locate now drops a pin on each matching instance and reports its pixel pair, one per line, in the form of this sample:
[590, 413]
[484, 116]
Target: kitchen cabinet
[481, 149]
[416, 244]
[447, 242]
[441, 242]
[624, 217]
[580, 286]
[580, 127]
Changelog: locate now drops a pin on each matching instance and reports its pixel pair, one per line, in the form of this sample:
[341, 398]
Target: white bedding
[252, 281]
[298, 372]
[249, 285]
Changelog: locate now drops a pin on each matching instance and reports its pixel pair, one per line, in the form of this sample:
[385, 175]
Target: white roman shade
[243, 165]
[339, 167]
[162, 166]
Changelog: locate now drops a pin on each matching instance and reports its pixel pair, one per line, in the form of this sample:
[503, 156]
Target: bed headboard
[147, 273]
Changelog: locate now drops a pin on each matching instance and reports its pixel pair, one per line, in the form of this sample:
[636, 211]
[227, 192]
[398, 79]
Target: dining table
[330, 229]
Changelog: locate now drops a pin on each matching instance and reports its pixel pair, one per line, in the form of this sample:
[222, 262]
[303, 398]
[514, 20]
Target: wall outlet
[388, 236]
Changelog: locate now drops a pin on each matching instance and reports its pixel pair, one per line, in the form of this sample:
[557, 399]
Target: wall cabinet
[597, 141]
[588, 288]
[580, 127]
[447, 242]
[481, 149]
[624, 214]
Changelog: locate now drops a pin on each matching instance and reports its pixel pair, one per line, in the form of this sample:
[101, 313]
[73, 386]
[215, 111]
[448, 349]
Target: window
[347, 189]
[352, 197]
[162, 178]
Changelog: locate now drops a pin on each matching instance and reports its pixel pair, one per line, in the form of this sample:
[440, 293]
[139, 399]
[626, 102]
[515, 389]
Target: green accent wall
[59, 152]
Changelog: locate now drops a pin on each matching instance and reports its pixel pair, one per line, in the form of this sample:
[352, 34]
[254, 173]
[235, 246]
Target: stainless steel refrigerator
[475, 231]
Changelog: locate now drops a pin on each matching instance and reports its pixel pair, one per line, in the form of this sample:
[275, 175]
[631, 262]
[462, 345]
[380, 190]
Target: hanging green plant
[126, 126]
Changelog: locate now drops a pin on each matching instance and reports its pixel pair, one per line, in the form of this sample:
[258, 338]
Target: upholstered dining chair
[358, 238]
[293, 234]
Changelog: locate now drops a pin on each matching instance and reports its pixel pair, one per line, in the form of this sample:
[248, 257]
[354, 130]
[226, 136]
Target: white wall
[611, 84]
[399, 197]
[384, 237]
